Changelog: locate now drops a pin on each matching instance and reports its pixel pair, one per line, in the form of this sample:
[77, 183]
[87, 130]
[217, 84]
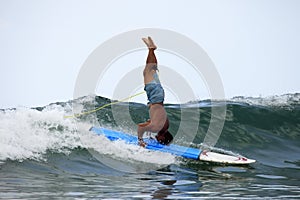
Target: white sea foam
[29, 134]
[276, 100]
[119, 149]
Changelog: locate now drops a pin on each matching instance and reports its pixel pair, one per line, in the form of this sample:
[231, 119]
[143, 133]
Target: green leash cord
[101, 107]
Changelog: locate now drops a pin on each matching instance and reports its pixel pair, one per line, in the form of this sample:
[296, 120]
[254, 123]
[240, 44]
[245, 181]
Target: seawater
[46, 156]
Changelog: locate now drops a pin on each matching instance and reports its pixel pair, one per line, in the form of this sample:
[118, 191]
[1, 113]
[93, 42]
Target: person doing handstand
[158, 122]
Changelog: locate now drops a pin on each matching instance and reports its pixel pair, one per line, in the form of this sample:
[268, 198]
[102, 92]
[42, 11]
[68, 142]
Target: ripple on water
[270, 176]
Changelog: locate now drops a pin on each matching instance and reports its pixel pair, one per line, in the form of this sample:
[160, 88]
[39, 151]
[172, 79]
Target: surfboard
[182, 151]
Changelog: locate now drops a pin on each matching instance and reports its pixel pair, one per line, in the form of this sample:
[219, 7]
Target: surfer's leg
[151, 61]
[151, 58]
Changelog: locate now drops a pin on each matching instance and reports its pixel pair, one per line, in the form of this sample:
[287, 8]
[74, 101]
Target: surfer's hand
[142, 143]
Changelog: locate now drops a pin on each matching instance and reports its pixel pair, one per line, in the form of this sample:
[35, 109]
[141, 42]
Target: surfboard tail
[209, 156]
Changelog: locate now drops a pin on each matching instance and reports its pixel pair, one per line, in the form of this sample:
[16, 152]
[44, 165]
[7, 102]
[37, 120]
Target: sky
[254, 44]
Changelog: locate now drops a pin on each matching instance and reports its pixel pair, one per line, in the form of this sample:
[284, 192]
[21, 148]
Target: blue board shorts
[155, 92]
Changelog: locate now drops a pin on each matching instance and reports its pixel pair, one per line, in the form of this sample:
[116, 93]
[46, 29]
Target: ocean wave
[29, 133]
[275, 100]
[259, 127]
[33, 133]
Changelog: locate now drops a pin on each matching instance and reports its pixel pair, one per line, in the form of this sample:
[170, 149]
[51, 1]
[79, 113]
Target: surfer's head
[164, 138]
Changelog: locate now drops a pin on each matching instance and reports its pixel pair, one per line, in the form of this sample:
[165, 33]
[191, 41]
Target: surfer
[158, 122]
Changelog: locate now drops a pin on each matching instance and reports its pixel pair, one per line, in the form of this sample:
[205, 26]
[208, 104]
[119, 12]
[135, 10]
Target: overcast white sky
[43, 44]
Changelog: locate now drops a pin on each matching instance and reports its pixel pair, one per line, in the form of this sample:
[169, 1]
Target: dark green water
[44, 156]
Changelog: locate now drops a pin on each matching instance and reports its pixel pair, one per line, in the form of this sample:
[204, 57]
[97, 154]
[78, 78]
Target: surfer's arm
[154, 128]
[145, 123]
[141, 131]
[142, 128]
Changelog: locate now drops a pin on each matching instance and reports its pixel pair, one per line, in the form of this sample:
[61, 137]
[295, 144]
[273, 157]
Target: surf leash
[104, 106]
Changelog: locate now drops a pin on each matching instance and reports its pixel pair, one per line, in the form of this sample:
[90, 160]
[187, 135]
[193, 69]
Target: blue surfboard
[185, 152]
[152, 144]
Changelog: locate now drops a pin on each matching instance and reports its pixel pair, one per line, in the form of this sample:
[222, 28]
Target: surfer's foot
[149, 42]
